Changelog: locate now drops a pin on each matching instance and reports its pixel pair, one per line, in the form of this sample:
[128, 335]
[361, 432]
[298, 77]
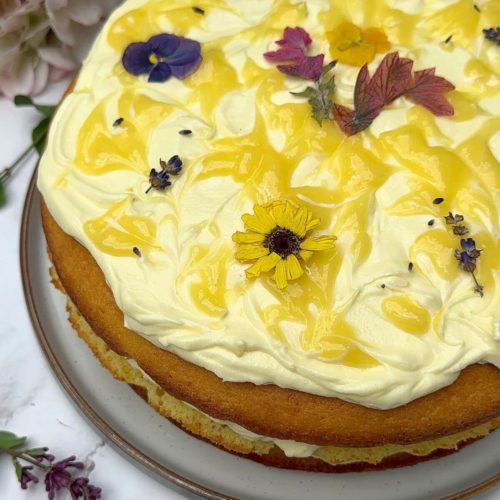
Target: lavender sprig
[468, 254]
[57, 475]
[492, 34]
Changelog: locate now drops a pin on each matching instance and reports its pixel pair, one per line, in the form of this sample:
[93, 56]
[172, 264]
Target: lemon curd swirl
[358, 324]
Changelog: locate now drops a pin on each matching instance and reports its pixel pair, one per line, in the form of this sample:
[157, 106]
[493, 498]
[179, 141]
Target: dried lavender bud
[382, 285]
[198, 10]
[460, 230]
[410, 267]
[438, 201]
[431, 222]
[448, 40]
[185, 132]
[118, 122]
[476, 7]
[158, 180]
[453, 219]
[137, 252]
[492, 34]
[173, 166]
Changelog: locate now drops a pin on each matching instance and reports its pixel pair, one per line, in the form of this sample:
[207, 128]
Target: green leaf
[9, 440]
[308, 92]
[2, 195]
[326, 69]
[24, 100]
[39, 134]
[19, 469]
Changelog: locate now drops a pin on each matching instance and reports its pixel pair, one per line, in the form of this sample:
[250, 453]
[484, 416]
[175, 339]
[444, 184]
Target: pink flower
[42, 41]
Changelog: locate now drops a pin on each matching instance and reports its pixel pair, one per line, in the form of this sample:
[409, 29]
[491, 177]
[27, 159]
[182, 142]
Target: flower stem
[26, 458]
[479, 288]
[7, 173]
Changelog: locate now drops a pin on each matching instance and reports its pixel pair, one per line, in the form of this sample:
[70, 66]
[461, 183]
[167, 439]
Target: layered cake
[278, 221]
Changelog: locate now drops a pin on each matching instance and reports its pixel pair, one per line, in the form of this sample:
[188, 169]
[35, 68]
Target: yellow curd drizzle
[406, 313]
[116, 232]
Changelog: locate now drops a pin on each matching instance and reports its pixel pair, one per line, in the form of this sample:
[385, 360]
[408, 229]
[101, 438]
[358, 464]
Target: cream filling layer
[155, 292]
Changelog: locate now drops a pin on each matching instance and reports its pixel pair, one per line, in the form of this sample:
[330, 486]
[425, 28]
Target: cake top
[358, 258]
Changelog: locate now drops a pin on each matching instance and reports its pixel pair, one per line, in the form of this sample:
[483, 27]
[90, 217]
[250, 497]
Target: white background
[31, 401]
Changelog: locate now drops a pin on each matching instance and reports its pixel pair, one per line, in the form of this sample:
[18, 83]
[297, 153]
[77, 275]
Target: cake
[278, 222]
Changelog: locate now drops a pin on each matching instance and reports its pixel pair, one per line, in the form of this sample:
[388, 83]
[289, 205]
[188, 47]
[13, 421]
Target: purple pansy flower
[162, 56]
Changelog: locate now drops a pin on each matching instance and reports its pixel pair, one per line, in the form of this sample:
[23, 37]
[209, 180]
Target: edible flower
[163, 56]
[351, 45]
[161, 180]
[293, 51]
[468, 254]
[277, 238]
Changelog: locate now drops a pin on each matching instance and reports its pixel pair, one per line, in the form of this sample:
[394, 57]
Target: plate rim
[96, 420]
[71, 391]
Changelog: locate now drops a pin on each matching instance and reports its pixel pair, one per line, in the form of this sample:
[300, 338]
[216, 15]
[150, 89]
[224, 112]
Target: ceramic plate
[172, 455]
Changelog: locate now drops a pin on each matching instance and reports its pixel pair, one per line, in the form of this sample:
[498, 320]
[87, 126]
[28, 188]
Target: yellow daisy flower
[276, 238]
[350, 45]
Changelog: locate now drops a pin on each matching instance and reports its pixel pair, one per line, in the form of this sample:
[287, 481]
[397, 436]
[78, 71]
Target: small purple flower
[158, 180]
[58, 477]
[468, 245]
[80, 488]
[163, 56]
[172, 166]
[465, 261]
[27, 477]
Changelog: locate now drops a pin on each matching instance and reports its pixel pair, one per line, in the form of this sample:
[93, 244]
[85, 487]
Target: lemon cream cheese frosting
[386, 315]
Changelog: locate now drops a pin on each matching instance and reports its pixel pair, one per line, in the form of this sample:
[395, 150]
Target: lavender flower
[158, 180]
[58, 476]
[173, 166]
[26, 476]
[163, 56]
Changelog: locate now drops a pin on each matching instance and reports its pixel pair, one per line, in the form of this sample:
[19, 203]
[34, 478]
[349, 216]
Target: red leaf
[391, 79]
[428, 91]
[351, 122]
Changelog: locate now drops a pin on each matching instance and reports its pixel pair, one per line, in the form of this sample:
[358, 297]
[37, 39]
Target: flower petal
[240, 237]
[299, 221]
[187, 52]
[306, 255]
[263, 265]
[251, 252]
[295, 37]
[261, 222]
[293, 268]
[285, 54]
[136, 58]
[318, 243]
[185, 70]
[280, 274]
[312, 224]
[164, 45]
[160, 73]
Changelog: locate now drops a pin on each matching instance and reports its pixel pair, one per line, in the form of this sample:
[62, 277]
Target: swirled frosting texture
[358, 325]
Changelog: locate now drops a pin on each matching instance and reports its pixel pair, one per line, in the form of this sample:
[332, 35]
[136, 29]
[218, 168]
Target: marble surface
[32, 402]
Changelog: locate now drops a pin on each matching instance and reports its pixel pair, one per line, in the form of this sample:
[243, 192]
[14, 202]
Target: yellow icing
[465, 175]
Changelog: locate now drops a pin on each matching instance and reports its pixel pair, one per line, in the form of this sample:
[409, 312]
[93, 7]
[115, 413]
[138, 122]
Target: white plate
[171, 454]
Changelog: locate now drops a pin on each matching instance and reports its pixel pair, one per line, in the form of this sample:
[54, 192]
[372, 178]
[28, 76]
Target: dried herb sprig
[58, 475]
[468, 254]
